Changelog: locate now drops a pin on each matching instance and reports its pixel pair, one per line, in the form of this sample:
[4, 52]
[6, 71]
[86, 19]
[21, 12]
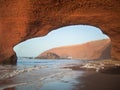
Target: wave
[46, 78]
[8, 74]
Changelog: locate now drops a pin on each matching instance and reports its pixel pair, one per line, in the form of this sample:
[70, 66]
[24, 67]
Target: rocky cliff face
[94, 50]
[24, 19]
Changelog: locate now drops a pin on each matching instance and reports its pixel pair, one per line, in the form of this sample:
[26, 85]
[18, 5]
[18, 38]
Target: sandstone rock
[94, 50]
[22, 20]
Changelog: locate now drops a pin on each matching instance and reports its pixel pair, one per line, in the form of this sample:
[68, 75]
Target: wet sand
[93, 75]
[106, 78]
[98, 81]
[90, 80]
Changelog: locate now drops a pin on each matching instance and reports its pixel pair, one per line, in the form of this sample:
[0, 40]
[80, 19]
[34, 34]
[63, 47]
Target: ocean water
[39, 74]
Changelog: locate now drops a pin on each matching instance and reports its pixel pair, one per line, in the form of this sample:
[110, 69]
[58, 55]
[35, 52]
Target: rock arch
[21, 20]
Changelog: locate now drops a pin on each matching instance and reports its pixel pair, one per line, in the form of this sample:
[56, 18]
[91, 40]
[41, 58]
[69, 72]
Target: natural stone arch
[64, 36]
[21, 20]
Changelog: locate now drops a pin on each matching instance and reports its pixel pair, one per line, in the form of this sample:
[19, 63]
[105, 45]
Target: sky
[69, 35]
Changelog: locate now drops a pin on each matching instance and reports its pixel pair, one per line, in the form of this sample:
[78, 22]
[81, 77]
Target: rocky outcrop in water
[48, 55]
[24, 19]
[94, 50]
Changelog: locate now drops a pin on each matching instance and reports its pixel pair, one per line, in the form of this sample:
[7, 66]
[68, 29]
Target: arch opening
[90, 38]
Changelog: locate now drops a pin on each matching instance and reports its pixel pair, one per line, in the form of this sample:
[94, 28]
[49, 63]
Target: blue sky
[68, 35]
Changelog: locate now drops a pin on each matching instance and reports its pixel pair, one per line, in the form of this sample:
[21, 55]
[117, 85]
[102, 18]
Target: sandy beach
[98, 81]
[99, 75]
[65, 75]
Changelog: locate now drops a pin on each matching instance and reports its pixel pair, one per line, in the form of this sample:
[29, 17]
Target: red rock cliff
[24, 19]
[94, 50]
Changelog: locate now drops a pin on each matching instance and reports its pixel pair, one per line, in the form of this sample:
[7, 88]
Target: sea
[51, 74]
[38, 74]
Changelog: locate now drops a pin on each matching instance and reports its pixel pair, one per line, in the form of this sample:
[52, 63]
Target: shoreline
[98, 81]
[103, 66]
[99, 75]
[86, 75]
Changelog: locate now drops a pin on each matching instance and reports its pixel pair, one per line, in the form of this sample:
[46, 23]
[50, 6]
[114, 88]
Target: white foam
[16, 72]
[97, 67]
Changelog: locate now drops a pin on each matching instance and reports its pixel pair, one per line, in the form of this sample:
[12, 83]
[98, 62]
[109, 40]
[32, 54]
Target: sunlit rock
[24, 19]
[94, 50]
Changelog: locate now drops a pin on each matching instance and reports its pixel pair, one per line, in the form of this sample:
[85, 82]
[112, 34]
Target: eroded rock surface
[22, 20]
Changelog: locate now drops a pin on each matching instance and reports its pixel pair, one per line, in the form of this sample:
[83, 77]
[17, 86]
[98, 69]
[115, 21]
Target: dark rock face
[106, 52]
[22, 20]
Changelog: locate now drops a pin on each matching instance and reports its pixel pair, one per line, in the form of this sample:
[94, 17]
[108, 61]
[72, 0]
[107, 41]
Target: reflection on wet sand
[12, 88]
[98, 81]
[72, 75]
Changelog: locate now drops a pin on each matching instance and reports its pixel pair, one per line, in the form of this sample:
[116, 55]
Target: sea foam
[11, 73]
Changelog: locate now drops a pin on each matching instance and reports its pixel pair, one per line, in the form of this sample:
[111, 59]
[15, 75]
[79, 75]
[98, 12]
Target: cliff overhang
[22, 20]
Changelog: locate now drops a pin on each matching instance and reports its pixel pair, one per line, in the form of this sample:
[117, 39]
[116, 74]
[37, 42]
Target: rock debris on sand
[104, 66]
